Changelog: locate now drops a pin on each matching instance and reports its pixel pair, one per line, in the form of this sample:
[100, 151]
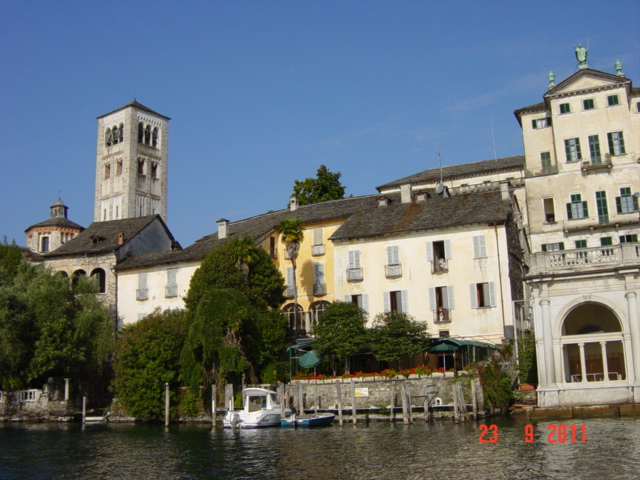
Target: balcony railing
[317, 250]
[585, 258]
[393, 271]
[288, 292]
[442, 316]
[439, 265]
[354, 274]
[142, 294]
[319, 288]
[171, 291]
[596, 164]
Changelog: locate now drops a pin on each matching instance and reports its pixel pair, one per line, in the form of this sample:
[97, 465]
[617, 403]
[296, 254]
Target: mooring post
[474, 399]
[403, 395]
[66, 389]
[84, 408]
[228, 396]
[353, 402]
[425, 392]
[213, 405]
[392, 413]
[339, 395]
[281, 399]
[166, 404]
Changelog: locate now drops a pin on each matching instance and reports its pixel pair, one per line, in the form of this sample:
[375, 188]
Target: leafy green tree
[292, 233]
[10, 260]
[341, 331]
[147, 355]
[325, 186]
[239, 265]
[397, 335]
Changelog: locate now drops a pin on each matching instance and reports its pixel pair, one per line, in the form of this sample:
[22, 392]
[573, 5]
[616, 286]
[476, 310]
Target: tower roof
[138, 106]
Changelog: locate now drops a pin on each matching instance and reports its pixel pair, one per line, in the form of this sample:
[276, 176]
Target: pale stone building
[582, 153]
[46, 236]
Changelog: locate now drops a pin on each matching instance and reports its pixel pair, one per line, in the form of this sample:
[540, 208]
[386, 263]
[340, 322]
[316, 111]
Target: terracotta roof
[435, 213]
[461, 170]
[56, 222]
[136, 105]
[102, 237]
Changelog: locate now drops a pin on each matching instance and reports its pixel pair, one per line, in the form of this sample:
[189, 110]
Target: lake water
[439, 450]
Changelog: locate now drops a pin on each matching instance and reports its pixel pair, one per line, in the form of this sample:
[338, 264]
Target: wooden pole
[166, 404]
[474, 399]
[300, 398]
[339, 395]
[228, 397]
[84, 408]
[425, 392]
[392, 413]
[353, 402]
[281, 399]
[213, 406]
[403, 395]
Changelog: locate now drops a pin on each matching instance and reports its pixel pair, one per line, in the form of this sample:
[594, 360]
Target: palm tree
[243, 251]
[292, 234]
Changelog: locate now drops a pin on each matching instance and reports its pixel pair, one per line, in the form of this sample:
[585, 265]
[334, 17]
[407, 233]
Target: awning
[443, 347]
[310, 359]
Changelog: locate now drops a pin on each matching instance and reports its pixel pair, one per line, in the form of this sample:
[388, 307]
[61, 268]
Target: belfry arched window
[154, 138]
[121, 132]
[140, 132]
[108, 139]
[147, 135]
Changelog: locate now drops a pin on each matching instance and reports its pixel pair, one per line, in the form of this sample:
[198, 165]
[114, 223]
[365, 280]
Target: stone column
[583, 363]
[66, 389]
[549, 364]
[634, 328]
[605, 365]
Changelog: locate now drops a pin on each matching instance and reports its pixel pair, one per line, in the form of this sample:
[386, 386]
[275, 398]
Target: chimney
[421, 197]
[120, 238]
[223, 223]
[293, 203]
[405, 193]
[383, 201]
[504, 190]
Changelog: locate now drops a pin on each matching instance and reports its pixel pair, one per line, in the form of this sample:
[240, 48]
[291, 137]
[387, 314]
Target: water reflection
[440, 450]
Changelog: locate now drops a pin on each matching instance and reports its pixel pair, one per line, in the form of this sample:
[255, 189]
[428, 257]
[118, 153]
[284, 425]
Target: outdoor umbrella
[310, 359]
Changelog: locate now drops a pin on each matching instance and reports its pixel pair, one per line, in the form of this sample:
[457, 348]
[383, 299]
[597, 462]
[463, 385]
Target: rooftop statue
[581, 55]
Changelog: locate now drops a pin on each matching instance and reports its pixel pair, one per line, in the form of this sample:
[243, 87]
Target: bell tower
[131, 164]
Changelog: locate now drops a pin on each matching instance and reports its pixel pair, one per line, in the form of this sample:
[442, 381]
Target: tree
[341, 331]
[147, 355]
[292, 233]
[397, 335]
[326, 186]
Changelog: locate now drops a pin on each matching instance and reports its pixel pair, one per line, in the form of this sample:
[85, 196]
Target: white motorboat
[260, 409]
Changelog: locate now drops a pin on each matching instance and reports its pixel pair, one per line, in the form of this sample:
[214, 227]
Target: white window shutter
[405, 301]
[317, 236]
[142, 281]
[429, 252]
[365, 302]
[290, 276]
[392, 256]
[432, 299]
[387, 302]
[492, 295]
[354, 259]
[474, 295]
[479, 246]
[451, 304]
[347, 299]
[318, 272]
[447, 249]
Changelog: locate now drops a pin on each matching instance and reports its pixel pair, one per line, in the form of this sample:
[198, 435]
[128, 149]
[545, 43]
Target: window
[553, 247]
[119, 167]
[99, 278]
[393, 269]
[613, 100]
[441, 302]
[588, 104]
[581, 244]
[361, 301]
[354, 272]
[439, 254]
[630, 238]
[44, 244]
[443, 333]
[318, 244]
[572, 149]
[603, 210]
[171, 290]
[121, 133]
[626, 203]
[290, 283]
[565, 108]
[549, 210]
[482, 295]
[319, 285]
[295, 315]
[107, 171]
[638, 107]
[154, 170]
[140, 132]
[594, 150]
[479, 247]
[147, 135]
[273, 252]
[577, 208]
[545, 160]
[396, 302]
[154, 138]
[140, 167]
[541, 123]
[616, 143]
[108, 137]
[316, 309]
[605, 241]
[142, 292]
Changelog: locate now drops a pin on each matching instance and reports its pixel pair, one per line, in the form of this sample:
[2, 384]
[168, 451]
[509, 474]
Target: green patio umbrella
[443, 347]
[310, 359]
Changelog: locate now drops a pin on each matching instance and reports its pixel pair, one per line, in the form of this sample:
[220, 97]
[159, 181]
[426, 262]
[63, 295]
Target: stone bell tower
[131, 164]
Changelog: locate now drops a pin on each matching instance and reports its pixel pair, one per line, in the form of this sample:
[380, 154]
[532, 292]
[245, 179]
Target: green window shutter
[544, 247]
[619, 204]
[584, 209]
[635, 203]
[561, 245]
[569, 215]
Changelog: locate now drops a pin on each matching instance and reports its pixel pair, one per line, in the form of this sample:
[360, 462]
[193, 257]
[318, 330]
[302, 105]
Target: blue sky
[261, 93]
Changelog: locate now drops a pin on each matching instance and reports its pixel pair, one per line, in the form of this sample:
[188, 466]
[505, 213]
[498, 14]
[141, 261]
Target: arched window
[108, 139]
[99, 277]
[316, 310]
[295, 316]
[154, 140]
[592, 345]
[63, 274]
[76, 275]
[107, 170]
[115, 134]
[121, 132]
[147, 135]
[140, 132]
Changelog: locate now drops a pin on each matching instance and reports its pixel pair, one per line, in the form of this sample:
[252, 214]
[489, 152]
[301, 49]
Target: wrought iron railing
[393, 270]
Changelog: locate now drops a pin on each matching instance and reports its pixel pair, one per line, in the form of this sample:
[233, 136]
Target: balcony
[319, 289]
[354, 274]
[171, 291]
[442, 315]
[142, 294]
[393, 271]
[596, 164]
[317, 250]
[439, 265]
[288, 292]
[585, 259]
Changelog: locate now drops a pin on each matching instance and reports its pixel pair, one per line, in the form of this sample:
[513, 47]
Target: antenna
[493, 141]
[439, 164]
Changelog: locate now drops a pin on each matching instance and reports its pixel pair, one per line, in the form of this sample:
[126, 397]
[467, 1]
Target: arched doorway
[316, 309]
[76, 276]
[295, 317]
[100, 278]
[592, 345]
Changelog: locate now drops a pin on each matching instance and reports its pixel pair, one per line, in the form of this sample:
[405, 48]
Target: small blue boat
[311, 420]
